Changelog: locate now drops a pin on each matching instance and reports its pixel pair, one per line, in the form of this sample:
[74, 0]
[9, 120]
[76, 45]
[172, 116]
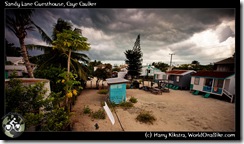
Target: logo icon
[13, 125]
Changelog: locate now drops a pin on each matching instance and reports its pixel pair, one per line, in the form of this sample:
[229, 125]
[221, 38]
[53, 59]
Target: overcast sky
[205, 35]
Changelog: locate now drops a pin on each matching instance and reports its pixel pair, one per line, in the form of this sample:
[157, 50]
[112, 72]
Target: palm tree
[69, 41]
[59, 57]
[19, 22]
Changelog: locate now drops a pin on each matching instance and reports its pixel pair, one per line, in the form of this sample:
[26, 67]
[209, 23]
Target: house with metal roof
[180, 78]
[16, 66]
[214, 82]
[219, 82]
[227, 64]
[149, 70]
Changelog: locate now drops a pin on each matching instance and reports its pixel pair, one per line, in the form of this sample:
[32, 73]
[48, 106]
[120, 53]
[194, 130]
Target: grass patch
[146, 117]
[133, 100]
[103, 91]
[100, 114]
[110, 104]
[86, 110]
[102, 103]
[127, 86]
[126, 105]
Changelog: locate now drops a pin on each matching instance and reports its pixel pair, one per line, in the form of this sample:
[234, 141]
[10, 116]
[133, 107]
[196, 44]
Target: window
[208, 82]
[164, 76]
[220, 83]
[196, 81]
[177, 78]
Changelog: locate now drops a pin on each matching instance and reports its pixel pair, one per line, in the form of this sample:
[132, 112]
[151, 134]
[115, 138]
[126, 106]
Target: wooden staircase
[228, 94]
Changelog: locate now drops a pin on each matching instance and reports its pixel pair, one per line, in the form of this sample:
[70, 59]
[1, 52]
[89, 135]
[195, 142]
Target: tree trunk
[26, 58]
[97, 84]
[102, 84]
[68, 68]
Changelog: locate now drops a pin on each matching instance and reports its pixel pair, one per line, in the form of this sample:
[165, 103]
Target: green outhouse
[117, 90]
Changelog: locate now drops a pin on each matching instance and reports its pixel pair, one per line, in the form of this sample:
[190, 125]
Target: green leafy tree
[44, 112]
[134, 59]
[11, 50]
[195, 62]
[26, 100]
[51, 73]
[19, 22]
[70, 41]
[185, 67]
[58, 57]
[160, 65]
[103, 73]
[92, 64]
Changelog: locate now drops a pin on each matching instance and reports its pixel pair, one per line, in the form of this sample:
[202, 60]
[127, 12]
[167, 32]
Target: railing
[166, 81]
[228, 94]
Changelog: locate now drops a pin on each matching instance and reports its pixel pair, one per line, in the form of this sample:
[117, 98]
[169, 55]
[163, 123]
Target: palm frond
[79, 69]
[80, 57]
[44, 36]
[49, 60]
[60, 26]
[37, 47]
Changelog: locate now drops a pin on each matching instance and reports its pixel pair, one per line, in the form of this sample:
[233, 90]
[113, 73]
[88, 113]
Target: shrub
[127, 86]
[126, 105]
[86, 110]
[102, 103]
[146, 117]
[51, 73]
[100, 114]
[102, 91]
[133, 100]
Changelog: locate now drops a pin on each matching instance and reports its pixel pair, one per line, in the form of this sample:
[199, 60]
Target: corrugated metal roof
[213, 74]
[15, 67]
[179, 72]
[229, 60]
[116, 80]
[15, 60]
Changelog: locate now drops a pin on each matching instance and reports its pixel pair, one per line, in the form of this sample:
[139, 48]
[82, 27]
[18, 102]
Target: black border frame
[141, 135]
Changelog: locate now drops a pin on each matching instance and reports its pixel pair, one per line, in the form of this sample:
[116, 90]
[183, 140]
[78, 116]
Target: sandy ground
[177, 110]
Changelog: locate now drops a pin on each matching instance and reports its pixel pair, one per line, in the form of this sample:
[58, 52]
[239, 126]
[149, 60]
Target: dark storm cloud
[225, 34]
[118, 28]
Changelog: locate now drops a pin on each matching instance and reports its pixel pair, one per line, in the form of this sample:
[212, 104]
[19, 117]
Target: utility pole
[171, 59]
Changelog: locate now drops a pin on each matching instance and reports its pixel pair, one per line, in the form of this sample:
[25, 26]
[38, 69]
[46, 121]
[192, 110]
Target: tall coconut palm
[59, 57]
[19, 22]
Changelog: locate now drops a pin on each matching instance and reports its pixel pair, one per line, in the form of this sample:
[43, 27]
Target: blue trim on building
[218, 91]
[207, 88]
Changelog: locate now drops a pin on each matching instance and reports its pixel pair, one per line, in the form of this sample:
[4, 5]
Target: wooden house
[180, 78]
[219, 82]
[17, 65]
[214, 82]
[226, 65]
[117, 89]
[149, 70]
